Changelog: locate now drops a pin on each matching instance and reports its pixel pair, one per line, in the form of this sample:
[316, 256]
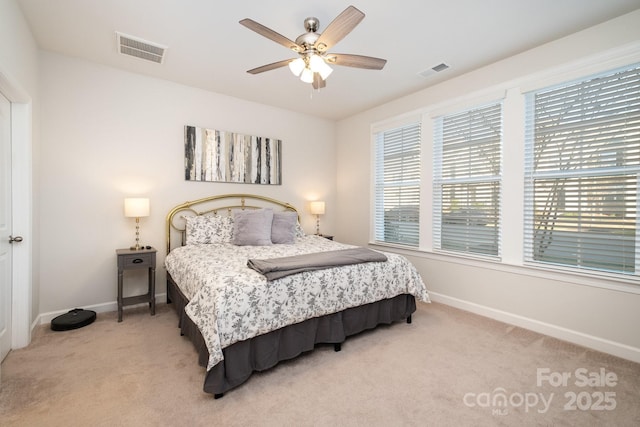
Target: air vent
[143, 49]
[440, 67]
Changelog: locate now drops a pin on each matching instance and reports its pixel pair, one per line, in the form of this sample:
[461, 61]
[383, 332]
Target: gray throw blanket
[276, 268]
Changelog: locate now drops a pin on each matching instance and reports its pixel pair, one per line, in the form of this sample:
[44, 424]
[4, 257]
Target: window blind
[467, 180]
[581, 174]
[397, 185]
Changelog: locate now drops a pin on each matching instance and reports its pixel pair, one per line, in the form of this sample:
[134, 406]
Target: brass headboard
[213, 205]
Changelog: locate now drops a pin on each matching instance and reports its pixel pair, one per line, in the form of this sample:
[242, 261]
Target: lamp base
[137, 246]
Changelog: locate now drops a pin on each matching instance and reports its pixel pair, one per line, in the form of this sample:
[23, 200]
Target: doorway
[5, 228]
[20, 297]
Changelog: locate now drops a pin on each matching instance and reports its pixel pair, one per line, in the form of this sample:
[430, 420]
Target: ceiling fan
[313, 64]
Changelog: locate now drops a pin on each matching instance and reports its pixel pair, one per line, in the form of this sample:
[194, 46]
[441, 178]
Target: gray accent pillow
[252, 227]
[283, 227]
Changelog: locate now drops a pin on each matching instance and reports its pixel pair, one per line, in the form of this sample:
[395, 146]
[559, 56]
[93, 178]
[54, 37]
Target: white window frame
[470, 235]
[512, 93]
[598, 258]
[406, 231]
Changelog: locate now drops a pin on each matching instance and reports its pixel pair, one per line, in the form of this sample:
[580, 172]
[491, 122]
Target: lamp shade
[317, 208]
[136, 207]
[307, 76]
[296, 66]
[317, 65]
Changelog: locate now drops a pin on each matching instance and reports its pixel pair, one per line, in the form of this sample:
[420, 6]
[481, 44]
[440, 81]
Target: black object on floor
[74, 319]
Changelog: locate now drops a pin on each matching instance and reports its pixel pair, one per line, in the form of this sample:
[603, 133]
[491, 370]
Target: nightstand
[129, 259]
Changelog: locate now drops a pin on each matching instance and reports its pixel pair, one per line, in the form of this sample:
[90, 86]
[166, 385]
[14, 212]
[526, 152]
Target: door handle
[16, 239]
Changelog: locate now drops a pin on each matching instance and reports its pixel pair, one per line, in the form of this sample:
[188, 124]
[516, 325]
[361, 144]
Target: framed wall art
[219, 156]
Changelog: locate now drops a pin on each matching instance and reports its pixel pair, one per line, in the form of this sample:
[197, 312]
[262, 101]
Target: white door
[5, 227]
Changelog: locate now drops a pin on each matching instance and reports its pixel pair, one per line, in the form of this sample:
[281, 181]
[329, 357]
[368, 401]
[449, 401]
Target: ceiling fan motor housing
[311, 24]
[308, 39]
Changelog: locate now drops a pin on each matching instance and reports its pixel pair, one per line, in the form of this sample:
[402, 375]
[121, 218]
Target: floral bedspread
[230, 302]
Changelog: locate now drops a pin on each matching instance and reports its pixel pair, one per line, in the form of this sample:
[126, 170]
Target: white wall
[107, 134]
[595, 316]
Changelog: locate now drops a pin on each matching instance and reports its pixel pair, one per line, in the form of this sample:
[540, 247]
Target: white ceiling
[209, 49]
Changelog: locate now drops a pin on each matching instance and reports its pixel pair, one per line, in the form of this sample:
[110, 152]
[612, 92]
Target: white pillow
[209, 229]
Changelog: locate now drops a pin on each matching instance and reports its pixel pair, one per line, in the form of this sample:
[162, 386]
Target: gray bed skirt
[265, 351]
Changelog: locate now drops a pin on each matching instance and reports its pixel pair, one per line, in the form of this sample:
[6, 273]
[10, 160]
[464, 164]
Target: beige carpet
[449, 367]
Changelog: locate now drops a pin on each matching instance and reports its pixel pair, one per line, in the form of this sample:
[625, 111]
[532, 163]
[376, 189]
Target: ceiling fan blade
[270, 34]
[357, 61]
[339, 28]
[269, 67]
[318, 81]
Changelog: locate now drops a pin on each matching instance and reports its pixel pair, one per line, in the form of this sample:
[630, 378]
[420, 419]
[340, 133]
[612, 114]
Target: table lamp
[136, 207]
[317, 209]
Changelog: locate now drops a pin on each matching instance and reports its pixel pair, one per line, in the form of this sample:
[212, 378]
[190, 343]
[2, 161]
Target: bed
[242, 322]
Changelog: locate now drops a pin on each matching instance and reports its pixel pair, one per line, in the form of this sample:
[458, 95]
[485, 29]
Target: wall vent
[143, 49]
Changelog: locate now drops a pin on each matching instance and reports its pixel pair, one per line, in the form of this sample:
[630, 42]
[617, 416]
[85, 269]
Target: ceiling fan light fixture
[315, 63]
[318, 65]
[325, 71]
[296, 66]
[307, 76]
[313, 66]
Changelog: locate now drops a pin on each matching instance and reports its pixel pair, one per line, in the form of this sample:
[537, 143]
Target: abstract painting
[219, 156]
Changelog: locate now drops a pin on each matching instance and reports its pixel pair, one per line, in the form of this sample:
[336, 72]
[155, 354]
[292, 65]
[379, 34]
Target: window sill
[594, 279]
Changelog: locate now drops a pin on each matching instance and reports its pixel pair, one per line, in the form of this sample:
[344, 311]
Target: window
[397, 185]
[581, 173]
[467, 175]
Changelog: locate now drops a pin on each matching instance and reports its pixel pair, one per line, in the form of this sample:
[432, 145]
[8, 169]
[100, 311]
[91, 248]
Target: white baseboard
[44, 318]
[611, 347]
